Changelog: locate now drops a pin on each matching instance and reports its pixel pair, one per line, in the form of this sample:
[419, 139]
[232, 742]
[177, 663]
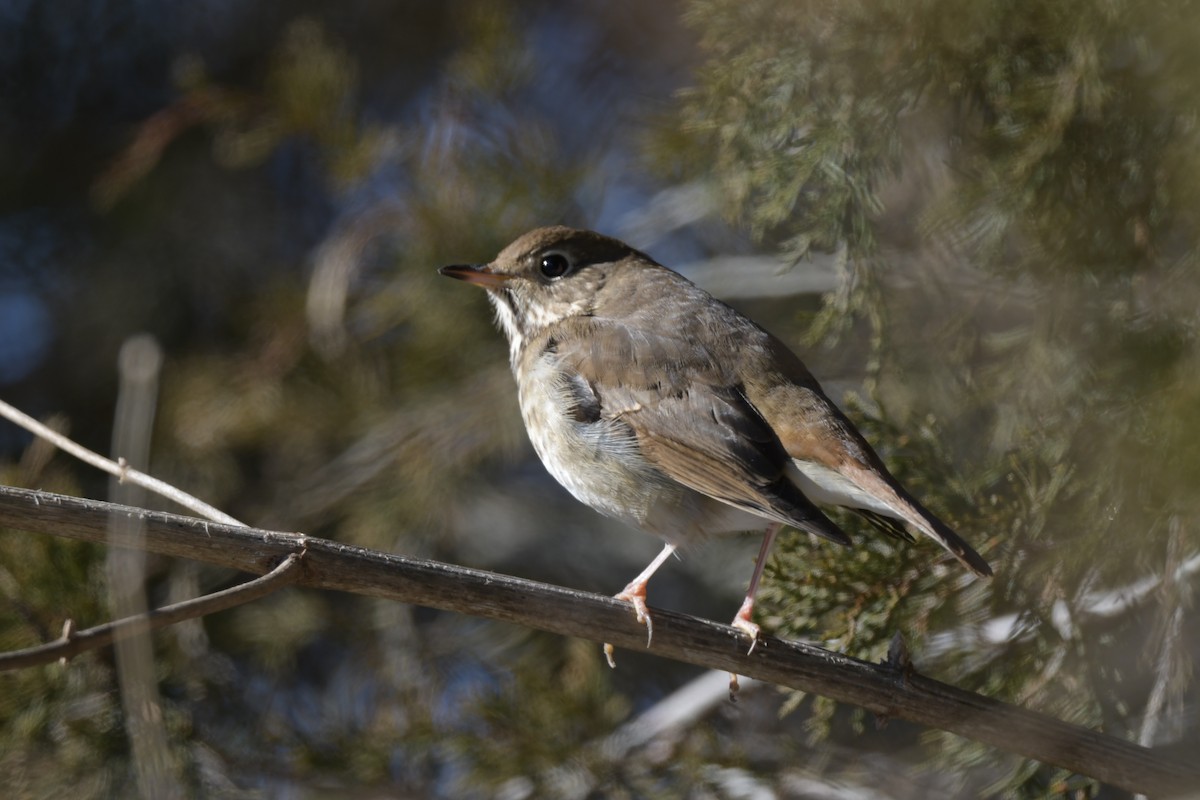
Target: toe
[638, 600]
[750, 629]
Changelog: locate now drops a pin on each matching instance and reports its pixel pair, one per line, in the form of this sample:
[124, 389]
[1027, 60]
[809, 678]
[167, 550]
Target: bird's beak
[478, 274]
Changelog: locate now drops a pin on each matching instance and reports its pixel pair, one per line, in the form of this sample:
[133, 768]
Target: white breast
[601, 465]
[598, 462]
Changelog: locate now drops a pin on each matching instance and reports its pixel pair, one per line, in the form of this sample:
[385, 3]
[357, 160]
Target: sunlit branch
[888, 690]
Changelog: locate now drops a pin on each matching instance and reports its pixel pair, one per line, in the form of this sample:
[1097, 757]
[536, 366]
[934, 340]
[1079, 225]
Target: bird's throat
[508, 319]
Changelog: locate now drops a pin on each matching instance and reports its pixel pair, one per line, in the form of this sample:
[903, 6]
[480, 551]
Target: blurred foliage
[1013, 187]
[801, 126]
[1055, 148]
[516, 735]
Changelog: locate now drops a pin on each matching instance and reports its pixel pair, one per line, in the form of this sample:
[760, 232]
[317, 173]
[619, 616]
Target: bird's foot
[635, 594]
[747, 626]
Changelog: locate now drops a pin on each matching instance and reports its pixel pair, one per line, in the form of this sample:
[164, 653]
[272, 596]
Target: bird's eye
[554, 265]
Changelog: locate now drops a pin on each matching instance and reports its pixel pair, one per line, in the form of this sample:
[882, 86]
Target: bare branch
[881, 688]
[72, 643]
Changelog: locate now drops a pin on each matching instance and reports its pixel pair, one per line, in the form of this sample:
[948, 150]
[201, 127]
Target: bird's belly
[600, 463]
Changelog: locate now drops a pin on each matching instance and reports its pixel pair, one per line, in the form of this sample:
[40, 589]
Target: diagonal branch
[73, 642]
[885, 689]
[118, 469]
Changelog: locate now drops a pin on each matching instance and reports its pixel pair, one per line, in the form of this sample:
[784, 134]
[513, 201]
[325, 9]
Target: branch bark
[885, 689]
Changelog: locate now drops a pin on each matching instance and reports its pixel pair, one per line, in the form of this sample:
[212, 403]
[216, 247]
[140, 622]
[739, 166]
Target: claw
[636, 595]
[750, 629]
[747, 626]
[608, 654]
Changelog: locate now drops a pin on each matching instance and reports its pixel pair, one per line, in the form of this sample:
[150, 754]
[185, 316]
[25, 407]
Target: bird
[655, 403]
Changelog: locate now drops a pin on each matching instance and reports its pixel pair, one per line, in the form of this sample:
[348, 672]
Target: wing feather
[691, 420]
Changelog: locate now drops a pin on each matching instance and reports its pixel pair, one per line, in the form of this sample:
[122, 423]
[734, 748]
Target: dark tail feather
[955, 544]
[937, 530]
[919, 517]
[887, 525]
[791, 507]
[823, 526]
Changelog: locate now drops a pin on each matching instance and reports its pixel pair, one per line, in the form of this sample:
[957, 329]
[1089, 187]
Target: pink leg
[635, 593]
[742, 620]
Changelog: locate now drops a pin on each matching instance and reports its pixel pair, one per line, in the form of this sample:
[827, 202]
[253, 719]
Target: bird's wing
[690, 420]
[822, 441]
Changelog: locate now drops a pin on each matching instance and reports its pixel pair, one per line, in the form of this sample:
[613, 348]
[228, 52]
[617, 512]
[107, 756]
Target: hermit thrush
[655, 403]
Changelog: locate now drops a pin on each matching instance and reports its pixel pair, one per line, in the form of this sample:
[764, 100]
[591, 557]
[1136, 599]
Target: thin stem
[72, 643]
[120, 469]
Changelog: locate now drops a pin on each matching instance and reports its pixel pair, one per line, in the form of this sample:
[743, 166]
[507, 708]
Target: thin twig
[120, 469]
[72, 643]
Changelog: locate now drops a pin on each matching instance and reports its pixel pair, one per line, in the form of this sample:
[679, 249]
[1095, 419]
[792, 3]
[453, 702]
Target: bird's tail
[941, 533]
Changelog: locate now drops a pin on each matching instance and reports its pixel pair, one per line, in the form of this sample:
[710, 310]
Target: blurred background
[977, 222]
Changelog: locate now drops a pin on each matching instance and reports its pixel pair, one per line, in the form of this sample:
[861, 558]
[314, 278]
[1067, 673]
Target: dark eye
[554, 265]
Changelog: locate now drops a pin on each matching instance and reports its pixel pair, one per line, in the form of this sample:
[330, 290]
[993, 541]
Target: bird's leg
[635, 593]
[742, 620]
